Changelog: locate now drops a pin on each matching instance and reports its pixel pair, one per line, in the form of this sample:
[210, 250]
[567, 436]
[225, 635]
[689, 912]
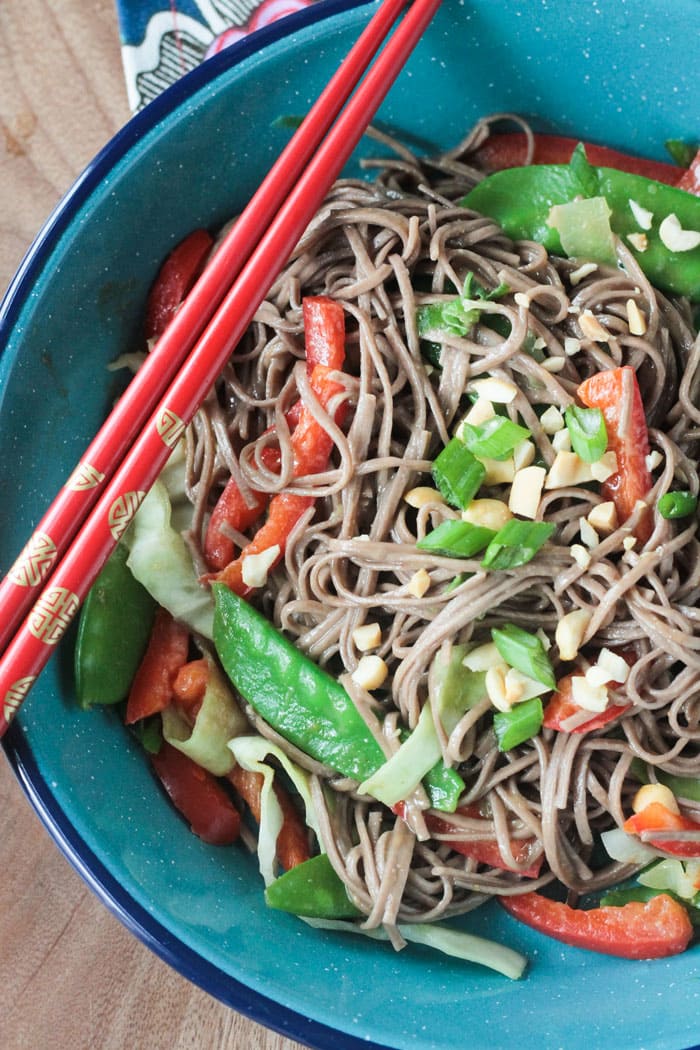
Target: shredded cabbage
[454, 690]
[681, 878]
[251, 752]
[158, 555]
[445, 939]
[218, 720]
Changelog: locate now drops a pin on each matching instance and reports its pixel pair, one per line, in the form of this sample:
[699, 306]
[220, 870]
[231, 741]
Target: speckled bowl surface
[617, 71]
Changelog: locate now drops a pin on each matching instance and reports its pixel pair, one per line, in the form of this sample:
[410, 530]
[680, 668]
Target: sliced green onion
[516, 544]
[525, 652]
[677, 504]
[589, 437]
[474, 290]
[456, 539]
[458, 474]
[495, 438]
[451, 318]
[519, 724]
[454, 317]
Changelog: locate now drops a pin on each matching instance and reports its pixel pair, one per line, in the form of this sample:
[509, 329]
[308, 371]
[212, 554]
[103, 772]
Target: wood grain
[72, 976]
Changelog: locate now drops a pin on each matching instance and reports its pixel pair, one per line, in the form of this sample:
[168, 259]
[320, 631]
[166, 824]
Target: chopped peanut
[554, 364]
[570, 632]
[484, 657]
[614, 664]
[370, 673]
[605, 467]
[675, 238]
[589, 536]
[499, 391]
[577, 275]
[421, 495]
[495, 682]
[650, 793]
[639, 241]
[603, 517]
[552, 420]
[498, 471]
[592, 328]
[419, 583]
[561, 441]
[255, 567]
[367, 637]
[566, 470]
[523, 454]
[481, 410]
[526, 491]
[490, 513]
[636, 320]
[590, 697]
[642, 216]
[580, 555]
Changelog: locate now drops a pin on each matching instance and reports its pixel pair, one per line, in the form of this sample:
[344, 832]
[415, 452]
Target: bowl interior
[609, 71]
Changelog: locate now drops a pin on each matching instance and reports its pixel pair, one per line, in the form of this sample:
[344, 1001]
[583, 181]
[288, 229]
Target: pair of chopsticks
[83, 525]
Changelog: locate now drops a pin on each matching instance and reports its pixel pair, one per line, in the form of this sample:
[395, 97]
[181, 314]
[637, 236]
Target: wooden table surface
[72, 977]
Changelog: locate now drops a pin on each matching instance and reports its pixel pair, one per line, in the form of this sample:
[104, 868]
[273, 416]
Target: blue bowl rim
[137, 920]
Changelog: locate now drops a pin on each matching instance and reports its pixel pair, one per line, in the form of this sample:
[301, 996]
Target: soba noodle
[382, 249]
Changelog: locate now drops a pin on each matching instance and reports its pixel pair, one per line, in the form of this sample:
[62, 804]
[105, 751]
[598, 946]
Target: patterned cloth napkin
[162, 39]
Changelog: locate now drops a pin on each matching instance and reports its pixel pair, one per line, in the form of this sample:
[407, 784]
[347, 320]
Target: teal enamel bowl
[625, 73]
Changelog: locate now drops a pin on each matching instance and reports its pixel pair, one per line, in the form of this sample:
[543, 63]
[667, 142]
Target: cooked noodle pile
[382, 249]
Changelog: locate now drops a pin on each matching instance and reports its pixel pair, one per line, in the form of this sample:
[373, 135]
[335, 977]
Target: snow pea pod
[301, 701]
[115, 625]
[520, 201]
[312, 889]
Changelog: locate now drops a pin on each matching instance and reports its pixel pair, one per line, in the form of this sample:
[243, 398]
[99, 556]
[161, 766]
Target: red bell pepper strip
[616, 393]
[152, 687]
[657, 817]
[690, 179]
[175, 278]
[509, 150]
[292, 841]
[233, 511]
[324, 341]
[189, 688]
[484, 851]
[561, 707]
[198, 796]
[311, 446]
[324, 332]
[651, 930]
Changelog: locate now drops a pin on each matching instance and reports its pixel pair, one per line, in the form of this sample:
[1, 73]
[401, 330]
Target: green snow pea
[301, 701]
[115, 625]
[312, 889]
[520, 201]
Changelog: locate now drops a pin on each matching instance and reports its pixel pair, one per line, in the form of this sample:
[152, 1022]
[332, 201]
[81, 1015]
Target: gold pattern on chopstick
[15, 695]
[52, 613]
[84, 477]
[35, 561]
[170, 427]
[122, 511]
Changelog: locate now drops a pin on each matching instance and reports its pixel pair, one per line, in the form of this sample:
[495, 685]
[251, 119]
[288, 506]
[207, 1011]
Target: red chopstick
[69, 509]
[35, 640]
